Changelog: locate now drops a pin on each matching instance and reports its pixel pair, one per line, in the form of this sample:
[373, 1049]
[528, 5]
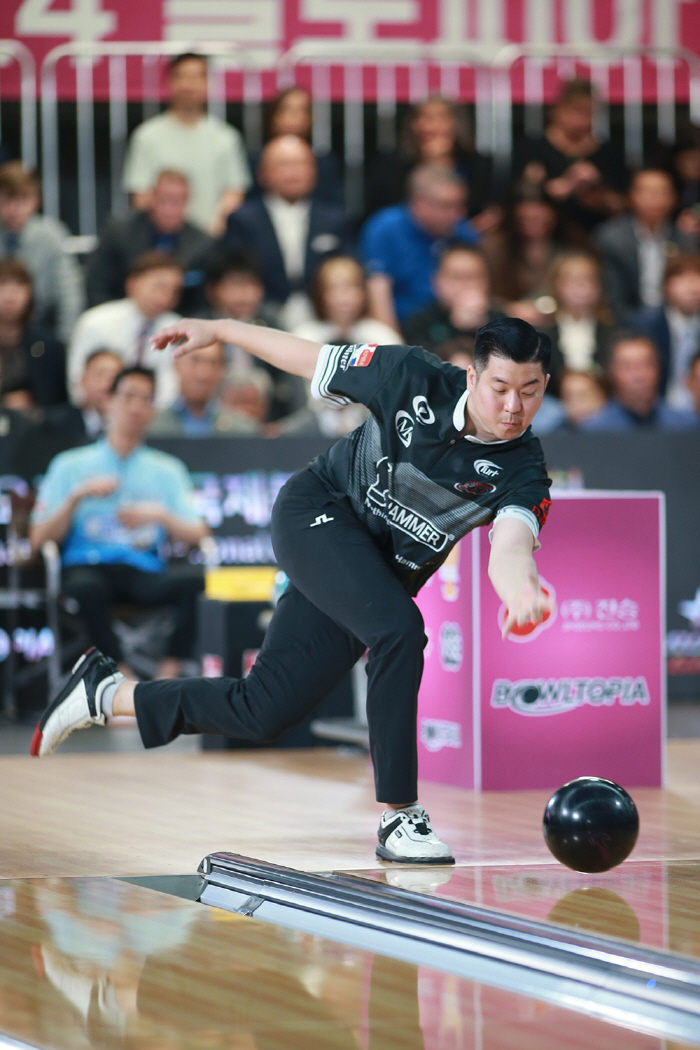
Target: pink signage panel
[445, 722]
[583, 693]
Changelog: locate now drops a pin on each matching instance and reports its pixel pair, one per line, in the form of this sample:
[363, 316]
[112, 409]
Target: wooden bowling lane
[653, 903]
[98, 963]
[160, 812]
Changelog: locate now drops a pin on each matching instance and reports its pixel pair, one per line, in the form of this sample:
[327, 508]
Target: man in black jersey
[358, 532]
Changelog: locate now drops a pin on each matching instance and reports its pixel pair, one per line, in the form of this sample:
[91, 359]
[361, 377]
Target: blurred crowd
[606, 261]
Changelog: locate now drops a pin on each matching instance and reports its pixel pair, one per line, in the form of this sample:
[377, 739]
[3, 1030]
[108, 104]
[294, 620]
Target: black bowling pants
[342, 599]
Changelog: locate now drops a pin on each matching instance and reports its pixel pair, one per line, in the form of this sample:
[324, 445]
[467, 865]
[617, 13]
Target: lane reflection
[96, 963]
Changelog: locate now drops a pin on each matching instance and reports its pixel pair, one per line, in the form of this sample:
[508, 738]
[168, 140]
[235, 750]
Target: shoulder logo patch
[361, 355]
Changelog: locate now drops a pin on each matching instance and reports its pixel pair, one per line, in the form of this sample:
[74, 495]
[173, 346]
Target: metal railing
[17, 52]
[493, 97]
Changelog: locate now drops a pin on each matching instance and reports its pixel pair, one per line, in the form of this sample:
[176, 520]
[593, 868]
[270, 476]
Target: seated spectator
[197, 411]
[28, 353]
[462, 288]
[208, 151]
[582, 331]
[675, 326]
[693, 382]
[234, 288]
[72, 425]
[39, 242]
[520, 254]
[635, 247]
[400, 246]
[111, 506]
[339, 295]
[634, 374]
[582, 395]
[247, 392]
[586, 176]
[163, 227]
[16, 395]
[125, 326]
[436, 131]
[459, 351]
[686, 168]
[290, 113]
[287, 231]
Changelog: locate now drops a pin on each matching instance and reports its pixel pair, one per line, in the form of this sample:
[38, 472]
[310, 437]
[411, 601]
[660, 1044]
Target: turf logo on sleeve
[381, 502]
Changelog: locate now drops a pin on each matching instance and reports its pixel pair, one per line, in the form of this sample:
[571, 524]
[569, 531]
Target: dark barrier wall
[238, 479]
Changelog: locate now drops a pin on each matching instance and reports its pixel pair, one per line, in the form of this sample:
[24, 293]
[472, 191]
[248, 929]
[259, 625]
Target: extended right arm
[288, 352]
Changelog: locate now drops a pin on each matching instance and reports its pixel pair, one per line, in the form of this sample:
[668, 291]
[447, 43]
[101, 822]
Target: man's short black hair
[237, 264]
[186, 56]
[133, 370]
[514, 339]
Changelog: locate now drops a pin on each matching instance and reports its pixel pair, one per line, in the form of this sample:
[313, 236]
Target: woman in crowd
[30, 358]
[290, 113]
[339, 295]
[434, 132]
[582, 330]
[583, 395]
[586, 176]
[520, 254]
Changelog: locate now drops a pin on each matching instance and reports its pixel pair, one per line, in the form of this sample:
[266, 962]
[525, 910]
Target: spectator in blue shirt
[111, 506]
[634, 372]
[401, 246]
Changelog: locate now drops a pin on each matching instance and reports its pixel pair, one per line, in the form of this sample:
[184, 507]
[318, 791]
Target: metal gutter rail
[623, 983]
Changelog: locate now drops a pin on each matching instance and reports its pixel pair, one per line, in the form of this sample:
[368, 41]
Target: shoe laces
[418, 818]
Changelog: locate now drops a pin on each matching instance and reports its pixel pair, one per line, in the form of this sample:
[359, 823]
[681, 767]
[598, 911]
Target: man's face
[439, 209]
[581, 396]
[634, 372]
[130, 408]
[459, 272]
[14, 300]
[155, 291]
[652, 197]
[575, 118]
[504, 398]
[168, 205]
[188, 84]
[96, 381]
[200, 372]
[288, 168]
[683, 292]
[16, 211]
[237, 295]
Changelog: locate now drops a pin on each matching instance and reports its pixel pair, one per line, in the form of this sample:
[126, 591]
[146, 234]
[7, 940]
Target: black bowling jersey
[411, 480]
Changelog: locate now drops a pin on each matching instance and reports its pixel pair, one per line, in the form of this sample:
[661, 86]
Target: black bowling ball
[590, 824]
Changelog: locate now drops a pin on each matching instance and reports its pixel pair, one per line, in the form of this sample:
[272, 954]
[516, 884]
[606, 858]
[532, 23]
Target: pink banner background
[271, 27]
